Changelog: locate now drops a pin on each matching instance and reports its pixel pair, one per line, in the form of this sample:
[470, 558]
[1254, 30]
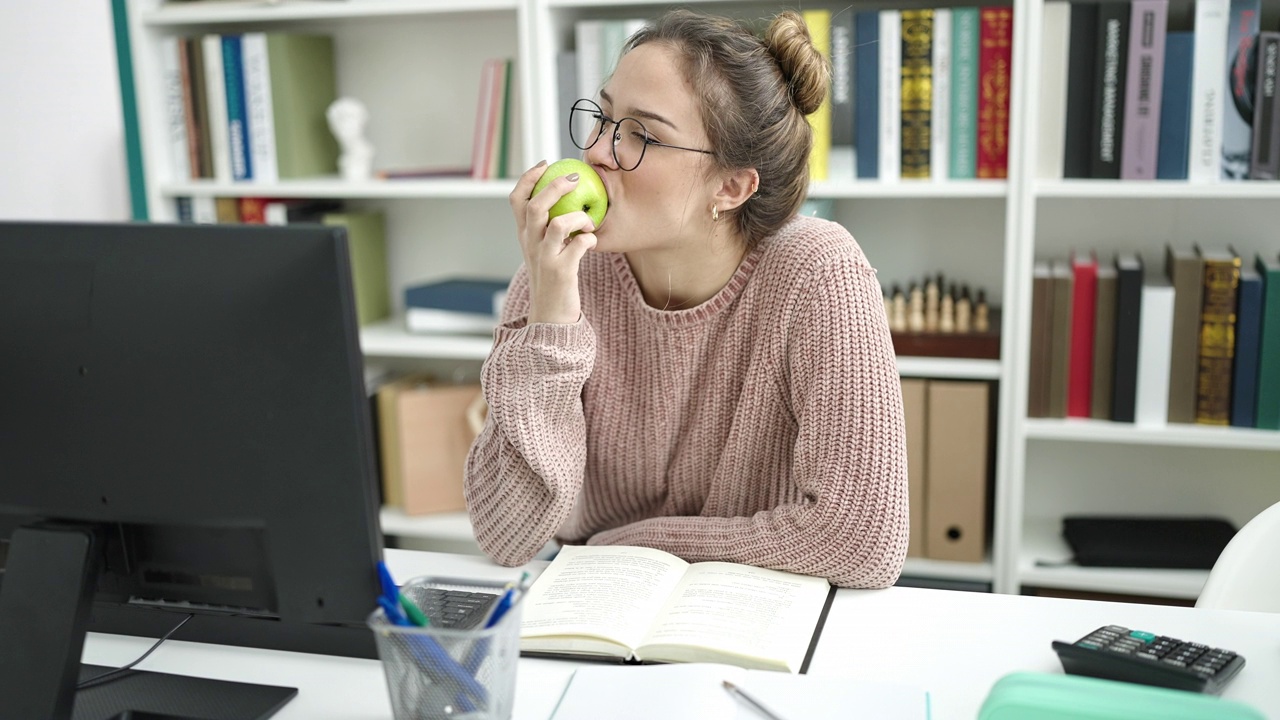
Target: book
[643, 605]
[1155, 330]
[1175, 107]
[1144, 83]
[841, 164]
[216, 96]
[1268, 395]
[1243, 24]
[1208, 84]
[995, 79]
[1265, 163]
[1185, 270]
[695, 691]
[237, 115]
[1056, 42]
[890, 163]
[1084, 299]
[964, 93]
[819, 24]
[940, 119]
[175, 109]
[455, 305]
[1124, 376]
[1061, 280]
[916, 93]
[1109, 89]
[1081, 63]
[367, 244]
[1244, 371]
[303, 83]
[1217, 336]
[1104, 342]
[1041, 343]
[866, 87]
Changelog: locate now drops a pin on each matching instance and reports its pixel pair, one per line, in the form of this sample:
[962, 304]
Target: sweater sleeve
[849, 461]
[525, 469]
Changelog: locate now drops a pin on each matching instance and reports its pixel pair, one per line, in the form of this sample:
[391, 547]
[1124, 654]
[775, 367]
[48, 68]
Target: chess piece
[915, 304]
[964, 312]
[898, 322]
[931, 289]
[947, 313]
[981, 320]
[347, 119]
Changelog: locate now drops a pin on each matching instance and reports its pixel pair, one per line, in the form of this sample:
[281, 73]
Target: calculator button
[1175, 663]
[1089, 645]
[1147, 656]
[1145, 637]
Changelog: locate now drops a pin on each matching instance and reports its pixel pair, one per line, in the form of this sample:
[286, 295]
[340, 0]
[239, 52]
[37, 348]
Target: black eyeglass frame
[588, 105]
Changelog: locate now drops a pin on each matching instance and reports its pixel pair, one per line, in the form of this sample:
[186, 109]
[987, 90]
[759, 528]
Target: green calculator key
[1143, 636]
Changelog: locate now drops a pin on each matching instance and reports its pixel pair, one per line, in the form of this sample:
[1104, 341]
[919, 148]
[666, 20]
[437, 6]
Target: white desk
[954, 644]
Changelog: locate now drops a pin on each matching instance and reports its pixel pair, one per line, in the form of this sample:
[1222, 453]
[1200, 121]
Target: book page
[750, 616]
[608, 592]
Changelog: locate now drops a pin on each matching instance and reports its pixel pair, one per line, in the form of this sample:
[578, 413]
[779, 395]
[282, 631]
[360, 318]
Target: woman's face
[667, 199]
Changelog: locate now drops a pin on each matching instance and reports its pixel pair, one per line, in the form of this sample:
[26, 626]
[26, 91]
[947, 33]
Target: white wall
[62, 151]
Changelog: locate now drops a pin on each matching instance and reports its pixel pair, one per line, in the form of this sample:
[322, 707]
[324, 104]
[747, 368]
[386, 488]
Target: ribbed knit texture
[763, 426]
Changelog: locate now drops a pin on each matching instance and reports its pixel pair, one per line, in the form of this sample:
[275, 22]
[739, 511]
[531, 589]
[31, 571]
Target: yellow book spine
[917, 92]
[1217, 341]
[819, 24]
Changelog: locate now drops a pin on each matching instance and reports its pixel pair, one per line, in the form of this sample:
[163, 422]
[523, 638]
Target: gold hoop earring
[715, 213]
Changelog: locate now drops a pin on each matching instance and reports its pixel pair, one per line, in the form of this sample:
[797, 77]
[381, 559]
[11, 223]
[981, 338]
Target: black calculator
[1113, 652]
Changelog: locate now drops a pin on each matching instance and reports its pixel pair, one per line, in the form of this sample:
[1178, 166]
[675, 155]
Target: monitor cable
[120, 671]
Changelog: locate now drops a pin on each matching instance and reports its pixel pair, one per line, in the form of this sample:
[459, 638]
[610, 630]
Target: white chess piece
[347, 118]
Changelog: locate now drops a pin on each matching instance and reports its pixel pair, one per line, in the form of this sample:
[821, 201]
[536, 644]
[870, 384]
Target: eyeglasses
[587, 123]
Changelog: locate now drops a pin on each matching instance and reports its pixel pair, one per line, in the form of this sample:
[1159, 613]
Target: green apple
[588, 196]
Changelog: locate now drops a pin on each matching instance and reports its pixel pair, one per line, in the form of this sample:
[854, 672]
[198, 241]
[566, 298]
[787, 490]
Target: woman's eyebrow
[642, 114]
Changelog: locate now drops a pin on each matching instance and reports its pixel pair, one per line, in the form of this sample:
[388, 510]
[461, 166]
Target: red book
[480, 136]
[253, 210]
[1084, 298]
[995, 62]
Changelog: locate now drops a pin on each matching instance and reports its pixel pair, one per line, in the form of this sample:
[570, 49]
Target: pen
[766, 712]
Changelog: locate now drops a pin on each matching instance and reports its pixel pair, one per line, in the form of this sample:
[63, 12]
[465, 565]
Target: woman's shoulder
[808, 244]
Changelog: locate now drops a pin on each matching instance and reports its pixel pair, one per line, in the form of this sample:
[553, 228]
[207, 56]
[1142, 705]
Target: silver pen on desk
[739, 692]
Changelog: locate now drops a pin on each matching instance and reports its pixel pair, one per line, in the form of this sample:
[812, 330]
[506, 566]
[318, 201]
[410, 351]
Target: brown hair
[755, 94]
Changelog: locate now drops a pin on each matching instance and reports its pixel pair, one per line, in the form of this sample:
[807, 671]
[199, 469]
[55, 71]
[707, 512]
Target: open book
[644, 605]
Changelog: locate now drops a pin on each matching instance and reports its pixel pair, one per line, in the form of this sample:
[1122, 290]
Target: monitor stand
[50, 576]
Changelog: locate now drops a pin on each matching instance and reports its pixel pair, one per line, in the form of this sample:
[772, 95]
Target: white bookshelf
[416, 65]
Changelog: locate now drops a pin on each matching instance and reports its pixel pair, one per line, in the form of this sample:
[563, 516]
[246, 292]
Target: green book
[366, 238]
[303, 85]
[964, 93]
[1268, 415]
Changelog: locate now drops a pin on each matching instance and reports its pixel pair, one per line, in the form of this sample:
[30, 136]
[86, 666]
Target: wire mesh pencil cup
[436, 672]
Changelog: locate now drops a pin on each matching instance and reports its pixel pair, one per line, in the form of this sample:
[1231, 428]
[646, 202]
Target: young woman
[706, 373]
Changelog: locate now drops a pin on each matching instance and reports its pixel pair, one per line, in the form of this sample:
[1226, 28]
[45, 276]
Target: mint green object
[964, 93]
[1044, 696]
[129, 105]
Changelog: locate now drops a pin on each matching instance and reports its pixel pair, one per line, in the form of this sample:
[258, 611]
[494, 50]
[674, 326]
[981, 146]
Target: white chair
[1247, 573]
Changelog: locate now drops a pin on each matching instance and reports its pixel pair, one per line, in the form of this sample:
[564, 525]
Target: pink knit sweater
[763, 426]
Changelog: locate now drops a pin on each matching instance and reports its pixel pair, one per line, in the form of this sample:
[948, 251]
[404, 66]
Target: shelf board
[447, 526]
[258, 11]
[1174, 434]
[1041, 540]
[910, 189]
[1155, 190]
[957, 368]
[390, 340]
[946, 570]
[450, 188]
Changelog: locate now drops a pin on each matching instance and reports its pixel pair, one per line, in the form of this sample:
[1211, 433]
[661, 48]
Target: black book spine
[1124, 381]
[1266, 117]
[1081, 60]
[1110, 71]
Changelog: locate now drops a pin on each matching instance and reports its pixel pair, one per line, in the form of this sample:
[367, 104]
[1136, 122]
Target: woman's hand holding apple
[553, 240]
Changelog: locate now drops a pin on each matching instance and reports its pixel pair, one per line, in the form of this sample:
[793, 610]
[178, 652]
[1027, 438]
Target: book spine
[237, 118]
[1186, 271]
[1083, 305]
[480, 131]
[1208, 85]
[819, 24]
[189, 109]
[1144, 84]
[842, 164]
[995, 77]
[1268, 396]
[182, 210]
[200, 107]
[890, 88]
[1265, 163]
[1175, 107]
[940, 117]
[1080, 76]
[1244, 372]
[866, 86]
[1151, 401]
[1055, 28]
[1217, 341]
[216, 94]
[171, 70]
[1128, 317]
[504, 147]
[1041, 329]
[1060, 341]
[493, 118]
[917, 92]
[1104, 344]
[261, 125]
[1237, 122]
[964, 93]
[1109, 89]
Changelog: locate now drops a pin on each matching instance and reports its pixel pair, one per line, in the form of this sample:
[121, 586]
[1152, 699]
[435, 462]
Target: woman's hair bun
[806, 71]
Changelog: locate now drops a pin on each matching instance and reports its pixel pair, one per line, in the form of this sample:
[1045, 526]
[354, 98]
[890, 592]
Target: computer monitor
[184, 428]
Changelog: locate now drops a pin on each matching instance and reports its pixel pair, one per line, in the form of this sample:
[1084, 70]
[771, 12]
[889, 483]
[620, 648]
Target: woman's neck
[685, 277]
